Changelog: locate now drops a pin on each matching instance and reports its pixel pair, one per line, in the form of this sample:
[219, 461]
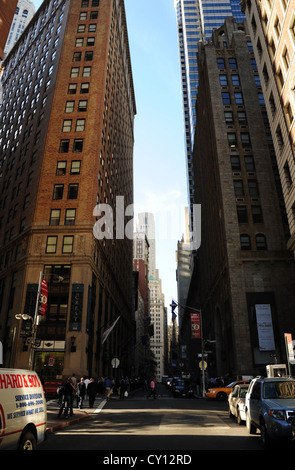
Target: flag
[173, 307]
[43, 297]
[108, 331]
[195, 325]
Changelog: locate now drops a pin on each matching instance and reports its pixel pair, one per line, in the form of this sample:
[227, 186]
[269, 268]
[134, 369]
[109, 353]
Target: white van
[23, 411]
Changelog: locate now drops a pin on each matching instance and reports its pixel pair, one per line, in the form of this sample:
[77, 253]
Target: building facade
[24, 12]
[66, 154]
[7, 11]
[245, 274]
[272, 29]
[196, 20]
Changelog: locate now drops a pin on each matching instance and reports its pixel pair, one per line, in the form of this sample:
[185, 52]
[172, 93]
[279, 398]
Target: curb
[65, 423]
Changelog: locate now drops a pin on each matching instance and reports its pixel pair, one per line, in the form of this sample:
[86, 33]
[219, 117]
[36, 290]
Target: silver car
[236, 402]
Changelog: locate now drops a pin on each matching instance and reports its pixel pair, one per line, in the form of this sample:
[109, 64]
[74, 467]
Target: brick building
[244, 278]
[67, 148]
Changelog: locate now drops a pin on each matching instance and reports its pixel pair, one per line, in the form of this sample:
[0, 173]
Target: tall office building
[66, 148]
[195, 21]
[24, 12]
[272, 29]
[7, 10]
[245, 272]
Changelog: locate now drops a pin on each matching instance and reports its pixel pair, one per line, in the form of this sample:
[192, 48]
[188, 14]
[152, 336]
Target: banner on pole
[195, 325]
[43, 297]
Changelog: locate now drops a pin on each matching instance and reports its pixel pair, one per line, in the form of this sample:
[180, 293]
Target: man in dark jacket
[67, 402]
[81, 392]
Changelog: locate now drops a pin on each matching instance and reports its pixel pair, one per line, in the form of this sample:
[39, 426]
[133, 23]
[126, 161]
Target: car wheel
[250, 427]
[27, 442]
[264, 435]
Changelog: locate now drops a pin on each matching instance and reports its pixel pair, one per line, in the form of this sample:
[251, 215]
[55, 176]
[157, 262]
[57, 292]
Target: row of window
[67, 244]
[72, 193]
[55, 217]
[260, 242]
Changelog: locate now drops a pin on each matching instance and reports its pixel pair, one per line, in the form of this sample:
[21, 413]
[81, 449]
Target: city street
[167, 423]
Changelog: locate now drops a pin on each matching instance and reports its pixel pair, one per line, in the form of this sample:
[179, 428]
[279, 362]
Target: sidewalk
[54, 423]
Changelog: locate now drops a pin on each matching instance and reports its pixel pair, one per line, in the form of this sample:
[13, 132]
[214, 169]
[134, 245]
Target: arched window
[25, 14]
[261, 242]
[245, 242]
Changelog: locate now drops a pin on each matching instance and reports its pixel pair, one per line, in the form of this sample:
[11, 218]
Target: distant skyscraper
[195, 20]
[24, 12]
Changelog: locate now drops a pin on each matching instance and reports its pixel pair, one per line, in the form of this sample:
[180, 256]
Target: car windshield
[282, 389]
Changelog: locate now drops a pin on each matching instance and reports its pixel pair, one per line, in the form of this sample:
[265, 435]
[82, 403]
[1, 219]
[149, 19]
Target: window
[58, 191]
[51, 244]
[242, 214]
[232, 139]
[260, 240]
[67, 125]
[75, 167]
[75, 72]
[92, 28]
[72, 89]
[70, 217]
[239, 98]
[80, 125]
[84, 88]
[257, 80]
[261, 99]
[61, 168]
[77, 56]
[279, 136]
[286, 57]
[242, 118]
[86, 72]
[220, 63]
[249, 163]
[88, 56]
[223, 80]
[239, 188]
[289, 113]
[82, 106]
[245, 241]
[64, 146]
[79, 42]
[228, 115]
[78, 145]
[235, 162]
[257, 215]
[83, 15]
[70, 106]
[235, 80]
[54, 217]
[67, 244]
[81, 28]
[226, 98]
[73, 191]
[232, 63]
[93, 15]
[90, 42]
[95, 3]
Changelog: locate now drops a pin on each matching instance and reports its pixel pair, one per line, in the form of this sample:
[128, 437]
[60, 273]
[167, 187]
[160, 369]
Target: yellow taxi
[222, 393]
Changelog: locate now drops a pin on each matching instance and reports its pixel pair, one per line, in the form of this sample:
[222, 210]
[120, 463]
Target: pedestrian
[108, 386]
[67, 402]
[153, 389]
[123, 388]
[60, 392]
[91, 392]
[81, 392]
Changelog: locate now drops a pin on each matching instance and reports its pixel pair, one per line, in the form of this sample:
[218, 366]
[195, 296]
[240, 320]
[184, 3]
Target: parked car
[183, 389]
[236, 402]
[270, 407]
[222, 393]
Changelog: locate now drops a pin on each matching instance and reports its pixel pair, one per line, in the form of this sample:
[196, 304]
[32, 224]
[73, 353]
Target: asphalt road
[177, 426]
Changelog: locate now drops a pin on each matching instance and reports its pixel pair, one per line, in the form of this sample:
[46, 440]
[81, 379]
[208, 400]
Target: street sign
[201, 365]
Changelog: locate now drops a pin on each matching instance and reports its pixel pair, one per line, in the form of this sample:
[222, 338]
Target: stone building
[244, 279]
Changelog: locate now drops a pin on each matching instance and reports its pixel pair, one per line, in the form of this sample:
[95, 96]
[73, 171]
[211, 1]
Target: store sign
[265, 327]
[76, 307]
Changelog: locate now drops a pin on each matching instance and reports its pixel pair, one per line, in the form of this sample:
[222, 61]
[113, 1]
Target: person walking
[81, 392]
[123, 388]
[153, 389]
[108, 386]
[67, 402]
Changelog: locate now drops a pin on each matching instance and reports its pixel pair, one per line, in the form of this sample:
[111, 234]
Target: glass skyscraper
[195, 21]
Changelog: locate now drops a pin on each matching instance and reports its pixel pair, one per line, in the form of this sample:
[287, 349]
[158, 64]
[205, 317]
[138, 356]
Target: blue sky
[159, 152]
